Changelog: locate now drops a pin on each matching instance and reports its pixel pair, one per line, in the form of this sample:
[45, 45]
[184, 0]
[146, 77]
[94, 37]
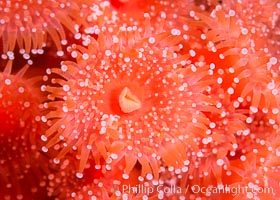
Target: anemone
[19, 137]
[28, 24]
[125, 97]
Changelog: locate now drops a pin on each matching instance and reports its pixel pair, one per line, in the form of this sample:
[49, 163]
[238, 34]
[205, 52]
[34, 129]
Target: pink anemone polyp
[123, 98]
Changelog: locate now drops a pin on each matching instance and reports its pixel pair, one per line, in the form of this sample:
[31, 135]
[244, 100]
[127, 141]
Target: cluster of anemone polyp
[139, 99]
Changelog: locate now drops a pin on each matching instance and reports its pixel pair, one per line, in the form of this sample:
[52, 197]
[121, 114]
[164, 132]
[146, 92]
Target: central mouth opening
[128, 101]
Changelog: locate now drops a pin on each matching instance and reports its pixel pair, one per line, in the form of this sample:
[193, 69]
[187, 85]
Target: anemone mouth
[124, 98]
[128, 101]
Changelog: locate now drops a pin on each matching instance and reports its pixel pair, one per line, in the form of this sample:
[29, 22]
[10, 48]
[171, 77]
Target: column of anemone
[28, 24]
[22, 174]
[123, 96]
